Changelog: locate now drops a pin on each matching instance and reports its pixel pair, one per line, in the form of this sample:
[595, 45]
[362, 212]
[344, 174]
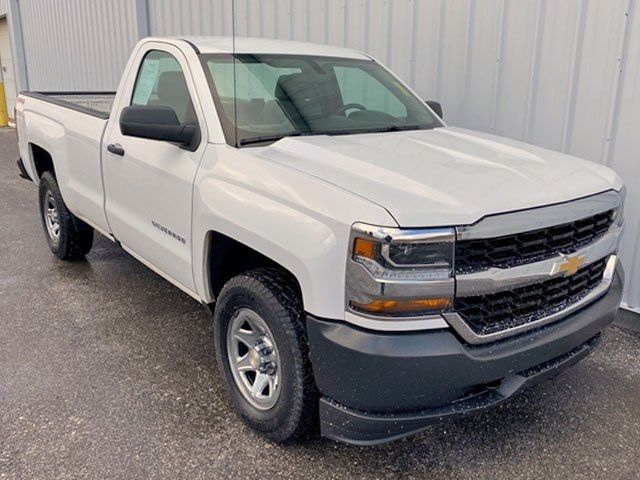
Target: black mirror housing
[156, 122]
[436, 107]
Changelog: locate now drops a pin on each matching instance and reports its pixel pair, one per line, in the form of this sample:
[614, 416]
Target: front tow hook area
[359, 428]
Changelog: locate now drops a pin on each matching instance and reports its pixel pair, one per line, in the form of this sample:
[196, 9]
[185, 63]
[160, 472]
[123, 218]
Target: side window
[161, 82]
[358, 86]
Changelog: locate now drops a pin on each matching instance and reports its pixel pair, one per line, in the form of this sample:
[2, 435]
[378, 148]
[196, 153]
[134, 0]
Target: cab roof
[268, 46]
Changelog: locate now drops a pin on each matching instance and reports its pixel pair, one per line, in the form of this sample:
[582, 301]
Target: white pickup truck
[371, 270]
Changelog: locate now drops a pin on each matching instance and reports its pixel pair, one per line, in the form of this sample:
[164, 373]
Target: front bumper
[380, 386]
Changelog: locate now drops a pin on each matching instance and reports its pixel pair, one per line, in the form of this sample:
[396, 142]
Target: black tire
[272, 295]
[75, 237]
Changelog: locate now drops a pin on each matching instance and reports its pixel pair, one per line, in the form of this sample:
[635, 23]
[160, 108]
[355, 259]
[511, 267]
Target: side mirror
[156, 123]
[436, 107]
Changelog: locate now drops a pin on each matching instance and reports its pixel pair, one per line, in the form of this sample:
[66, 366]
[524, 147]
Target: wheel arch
[41, 159]
[227, 257]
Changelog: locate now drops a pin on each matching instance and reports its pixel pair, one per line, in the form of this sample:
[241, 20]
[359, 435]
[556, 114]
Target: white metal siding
[76, 44]
[561, 74]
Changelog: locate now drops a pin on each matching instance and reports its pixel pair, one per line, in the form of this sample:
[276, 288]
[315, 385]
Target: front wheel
[262, 353]
[69, 238]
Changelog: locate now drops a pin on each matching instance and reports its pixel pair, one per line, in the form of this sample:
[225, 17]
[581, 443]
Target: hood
[444, 176]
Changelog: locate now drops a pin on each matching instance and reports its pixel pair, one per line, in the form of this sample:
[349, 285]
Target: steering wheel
[349, 106]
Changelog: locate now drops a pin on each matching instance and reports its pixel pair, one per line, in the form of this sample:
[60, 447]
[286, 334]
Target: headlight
[398, 273]
[618, 214]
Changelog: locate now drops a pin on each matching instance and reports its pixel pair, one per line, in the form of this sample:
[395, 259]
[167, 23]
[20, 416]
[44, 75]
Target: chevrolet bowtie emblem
[571, 265]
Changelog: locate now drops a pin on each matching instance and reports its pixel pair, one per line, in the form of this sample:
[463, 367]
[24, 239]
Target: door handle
[116, 149]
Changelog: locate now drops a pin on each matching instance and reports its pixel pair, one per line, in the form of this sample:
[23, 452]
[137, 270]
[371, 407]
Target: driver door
[148, 183]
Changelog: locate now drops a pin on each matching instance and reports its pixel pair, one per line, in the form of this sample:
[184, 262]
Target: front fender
[298, 221]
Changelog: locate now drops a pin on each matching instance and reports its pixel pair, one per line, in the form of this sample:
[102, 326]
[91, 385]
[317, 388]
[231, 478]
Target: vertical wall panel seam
[247, 18]
[498, 67]
[439, 48]
[185, 19]
[16, 35]
[120, 47]
[612, 126]
[292, 33]
[308, 20]
[468, 52]
[77, 16]
[325, 22]
[223, 14]
[63, 51]
[96, 29]
[576, 63]
[367, 15]
[535, 73]
[414, 35]
[260, 19]
[389, 52]
[91, 29]
[203, 18]
[345, 25]
[116, 29]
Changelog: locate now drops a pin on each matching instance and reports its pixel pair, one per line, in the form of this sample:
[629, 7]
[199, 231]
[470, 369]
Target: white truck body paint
[293, 201]
[444, 176]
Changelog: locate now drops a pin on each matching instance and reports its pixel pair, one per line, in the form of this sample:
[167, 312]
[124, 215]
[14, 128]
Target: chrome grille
[490, 313]
[508, 251]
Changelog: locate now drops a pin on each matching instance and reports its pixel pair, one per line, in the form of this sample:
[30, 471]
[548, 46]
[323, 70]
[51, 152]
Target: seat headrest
[172, 91]
[310, 95]
[171, 85]
[284, 84]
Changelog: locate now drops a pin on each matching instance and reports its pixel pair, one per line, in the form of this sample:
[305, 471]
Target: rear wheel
[68, 237]
[262, 353]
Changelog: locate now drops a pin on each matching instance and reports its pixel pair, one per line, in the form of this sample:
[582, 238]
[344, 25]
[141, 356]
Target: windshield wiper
[269, 138]
[396, 128]
[387, 128]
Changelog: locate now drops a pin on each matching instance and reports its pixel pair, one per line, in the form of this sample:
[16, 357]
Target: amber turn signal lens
[364, 248]
[402, 306]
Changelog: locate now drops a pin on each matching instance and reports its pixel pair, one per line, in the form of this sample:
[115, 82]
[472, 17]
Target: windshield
[288, 95]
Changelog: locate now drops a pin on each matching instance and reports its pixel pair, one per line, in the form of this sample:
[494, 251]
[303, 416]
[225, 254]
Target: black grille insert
[486, 314]
[533, 246]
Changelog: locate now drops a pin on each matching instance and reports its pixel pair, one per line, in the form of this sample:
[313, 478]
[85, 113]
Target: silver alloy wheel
[51, 218]
[254, 359]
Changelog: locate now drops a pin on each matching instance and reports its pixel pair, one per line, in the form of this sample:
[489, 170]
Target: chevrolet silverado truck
[371, 270]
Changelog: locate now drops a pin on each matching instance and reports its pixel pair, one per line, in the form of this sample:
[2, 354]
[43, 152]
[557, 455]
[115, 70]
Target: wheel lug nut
[268, 367]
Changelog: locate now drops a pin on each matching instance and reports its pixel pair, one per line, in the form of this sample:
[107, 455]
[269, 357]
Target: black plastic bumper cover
[379, 387]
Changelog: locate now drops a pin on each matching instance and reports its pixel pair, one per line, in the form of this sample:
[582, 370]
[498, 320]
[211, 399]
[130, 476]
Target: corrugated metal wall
[77, 44]
[564, 74]
[561, 74]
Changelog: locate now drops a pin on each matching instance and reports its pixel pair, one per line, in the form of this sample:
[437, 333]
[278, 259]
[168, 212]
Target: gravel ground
[107, 371]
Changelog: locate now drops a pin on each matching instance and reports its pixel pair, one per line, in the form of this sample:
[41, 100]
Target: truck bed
[69, 127]
[97, 104]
